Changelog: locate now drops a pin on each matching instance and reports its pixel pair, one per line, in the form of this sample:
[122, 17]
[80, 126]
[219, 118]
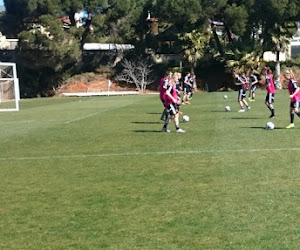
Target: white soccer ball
[270, 125]
[227, 108]
[225, 96]
[185, 118]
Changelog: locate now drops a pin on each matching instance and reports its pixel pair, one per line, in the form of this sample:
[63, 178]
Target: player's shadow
[147, 131]
[254, 127]
[146, 122]
[245, 118]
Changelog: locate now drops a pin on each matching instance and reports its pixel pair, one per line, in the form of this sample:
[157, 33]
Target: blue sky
[1, 2]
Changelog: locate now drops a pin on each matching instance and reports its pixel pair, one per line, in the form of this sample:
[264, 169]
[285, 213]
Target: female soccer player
[294, 92]
[242, 83]
[187, 89]
[162, 89]
[172, 101]
[253, 82]
[270, 90]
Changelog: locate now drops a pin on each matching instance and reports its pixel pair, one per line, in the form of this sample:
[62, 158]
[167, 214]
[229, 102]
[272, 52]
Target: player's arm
[255, 80]
[238, 80]
[268, 81]
[187, 82]
[165, 86]
[297, 89]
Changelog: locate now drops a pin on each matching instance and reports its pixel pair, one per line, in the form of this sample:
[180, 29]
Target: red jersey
[162, 87]
[270, 84]
[172, 90]
[292, 86]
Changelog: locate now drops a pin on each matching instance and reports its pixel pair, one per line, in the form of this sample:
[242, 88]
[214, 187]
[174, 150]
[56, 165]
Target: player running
[241, 81]
[270, 90]
[294, 91]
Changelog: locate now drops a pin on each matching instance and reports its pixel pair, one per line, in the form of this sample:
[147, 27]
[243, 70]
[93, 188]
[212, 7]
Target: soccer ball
[225, 96]
[185, 118]
[227, 108]
[270, 126]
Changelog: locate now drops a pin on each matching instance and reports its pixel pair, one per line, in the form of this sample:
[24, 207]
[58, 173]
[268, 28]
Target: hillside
[91, 82]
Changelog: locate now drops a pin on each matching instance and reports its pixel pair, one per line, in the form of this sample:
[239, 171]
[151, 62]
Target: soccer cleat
[241, 110]
[248, 107]
[165, 130]
[180, 130]
[292, 125]
[272, 116]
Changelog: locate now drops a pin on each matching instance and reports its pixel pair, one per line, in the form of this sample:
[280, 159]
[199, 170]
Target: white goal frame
[15, 80]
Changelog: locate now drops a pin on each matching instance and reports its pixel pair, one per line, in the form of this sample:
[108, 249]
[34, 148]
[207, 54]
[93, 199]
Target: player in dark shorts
[253, 82]
[172, 101]
[270, 87]
[294, 91]
[241, 82]
[187, 89]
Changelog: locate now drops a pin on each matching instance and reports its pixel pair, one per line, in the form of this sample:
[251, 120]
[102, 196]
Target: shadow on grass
[146, 122]
[277, 128]
[154, 113]
[246, 118]
[147, 131]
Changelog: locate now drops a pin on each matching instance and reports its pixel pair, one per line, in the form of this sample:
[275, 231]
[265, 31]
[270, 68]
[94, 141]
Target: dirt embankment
[91, 82]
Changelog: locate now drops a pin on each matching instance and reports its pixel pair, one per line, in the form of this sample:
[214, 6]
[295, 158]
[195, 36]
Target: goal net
[9, 87]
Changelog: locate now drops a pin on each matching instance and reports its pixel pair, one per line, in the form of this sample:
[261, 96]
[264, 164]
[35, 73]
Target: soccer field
[98, 173]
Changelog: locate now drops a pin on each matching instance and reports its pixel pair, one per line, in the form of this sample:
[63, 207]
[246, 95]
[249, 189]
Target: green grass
[97, 173]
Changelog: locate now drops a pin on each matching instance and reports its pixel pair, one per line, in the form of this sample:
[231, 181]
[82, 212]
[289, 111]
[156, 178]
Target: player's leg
[253, 93]
[167, 120]
[240, 101]
[269, 103]
[164, 113]
[188, 95]
[244, 99]
[176, 121]
[292, 116]
[294, 109]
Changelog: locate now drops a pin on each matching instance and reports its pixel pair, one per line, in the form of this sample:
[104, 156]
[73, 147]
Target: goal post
[9, 87]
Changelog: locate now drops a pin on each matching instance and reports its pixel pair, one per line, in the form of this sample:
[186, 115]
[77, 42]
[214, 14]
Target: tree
[138, 72]
[280, 39]
[193, 45]
[49, 50]
[45, 46]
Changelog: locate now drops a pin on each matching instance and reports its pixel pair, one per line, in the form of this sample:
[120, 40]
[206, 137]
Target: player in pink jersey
[270, 87]
[294, 91]
[172, 102]
[162, 91]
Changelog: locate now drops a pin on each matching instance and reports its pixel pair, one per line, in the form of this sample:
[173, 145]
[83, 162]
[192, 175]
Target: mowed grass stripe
[257, 150]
